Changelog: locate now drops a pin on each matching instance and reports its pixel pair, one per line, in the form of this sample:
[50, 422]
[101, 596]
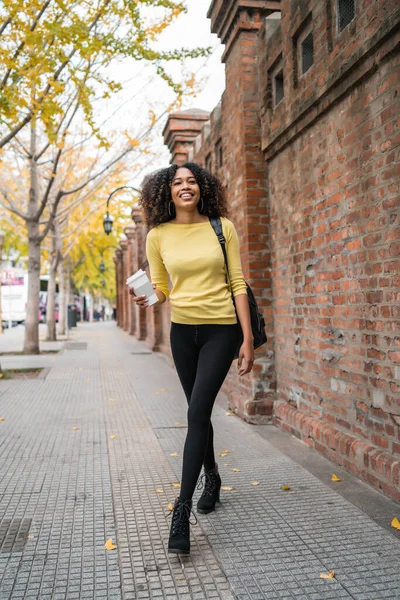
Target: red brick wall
[313, 189]
[333, 173]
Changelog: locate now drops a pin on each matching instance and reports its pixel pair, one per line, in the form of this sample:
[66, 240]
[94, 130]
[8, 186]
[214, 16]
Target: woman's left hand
[246, 357]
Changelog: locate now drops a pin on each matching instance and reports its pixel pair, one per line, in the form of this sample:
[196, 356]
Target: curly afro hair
[156, 194]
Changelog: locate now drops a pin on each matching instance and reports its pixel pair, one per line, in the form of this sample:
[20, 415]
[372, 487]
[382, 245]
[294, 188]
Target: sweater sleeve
[233, 253]
[158, 272]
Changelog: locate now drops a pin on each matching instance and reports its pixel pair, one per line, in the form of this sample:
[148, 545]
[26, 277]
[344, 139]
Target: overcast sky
[144, 90]
[192, 30]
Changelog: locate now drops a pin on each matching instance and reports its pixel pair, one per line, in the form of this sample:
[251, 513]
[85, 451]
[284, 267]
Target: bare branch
[96, 175]
[55, 167]
[52, 216]
[12, 207]
[5, 25]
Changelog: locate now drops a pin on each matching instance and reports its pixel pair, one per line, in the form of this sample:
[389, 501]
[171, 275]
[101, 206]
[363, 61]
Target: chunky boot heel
[179, 538]
[211, 492]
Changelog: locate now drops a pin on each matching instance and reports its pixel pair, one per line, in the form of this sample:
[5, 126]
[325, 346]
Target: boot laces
[208, 480]
[181, 517]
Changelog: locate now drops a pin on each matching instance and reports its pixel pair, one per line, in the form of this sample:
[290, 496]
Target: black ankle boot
[210, 495]
[179, 538]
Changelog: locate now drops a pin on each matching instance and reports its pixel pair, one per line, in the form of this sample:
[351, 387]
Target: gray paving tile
[81, 487]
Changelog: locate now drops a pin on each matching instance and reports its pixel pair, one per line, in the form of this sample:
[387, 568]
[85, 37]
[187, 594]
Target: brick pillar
[124, 289]
[181, 131]
[130, 233]
[137, 216]
[118, 274]
[116, 286]
[237, 24]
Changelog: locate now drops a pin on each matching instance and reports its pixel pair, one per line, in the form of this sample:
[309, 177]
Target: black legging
[203, 355]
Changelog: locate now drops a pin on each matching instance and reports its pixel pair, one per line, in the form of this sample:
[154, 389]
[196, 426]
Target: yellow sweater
[192, 256]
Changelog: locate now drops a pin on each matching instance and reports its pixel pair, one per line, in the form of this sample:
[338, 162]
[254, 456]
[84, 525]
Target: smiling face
[185, 190]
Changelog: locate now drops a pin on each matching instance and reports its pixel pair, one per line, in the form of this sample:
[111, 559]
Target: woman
[177, 203]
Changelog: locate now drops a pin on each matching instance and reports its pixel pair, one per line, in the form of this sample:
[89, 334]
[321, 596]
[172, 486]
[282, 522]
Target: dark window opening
[209, 162]
[219, 154]
[346, 11]
[307, 53]
[279, 91]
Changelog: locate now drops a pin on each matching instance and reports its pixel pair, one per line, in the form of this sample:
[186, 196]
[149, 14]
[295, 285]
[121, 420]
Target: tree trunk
[62, 298]
[31, 342]
[91, 308]
[51, 304]
[51, 288]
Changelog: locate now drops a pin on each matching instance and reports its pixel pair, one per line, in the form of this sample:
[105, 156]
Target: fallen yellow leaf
[229, 414]
[285, 488]
[111, 400]
[1, 375]
[174, 454]
[177, 423]
[157, 393]
[2, 419]
[335, 478]
[235, 470]
[142, 426]
[158, 491]
[330, 575]
[163, 389]
[226, 488]
[113, 436]
[170, 507]
[255, 483]
[75, 428]
[226, 451]
[221, 453]
[109, 545]
[176, 485]
[396, 523]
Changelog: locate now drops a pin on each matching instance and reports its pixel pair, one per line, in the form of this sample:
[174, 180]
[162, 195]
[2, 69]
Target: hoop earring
[169, 208]
[202, 205]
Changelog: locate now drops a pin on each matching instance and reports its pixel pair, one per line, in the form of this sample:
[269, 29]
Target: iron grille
[346, 10]
[307, 53]
[278, 87]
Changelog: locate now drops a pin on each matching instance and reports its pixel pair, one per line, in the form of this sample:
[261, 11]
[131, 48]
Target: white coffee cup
[142, 286]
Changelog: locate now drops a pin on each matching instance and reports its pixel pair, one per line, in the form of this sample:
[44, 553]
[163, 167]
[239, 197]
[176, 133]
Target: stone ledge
[361, 458]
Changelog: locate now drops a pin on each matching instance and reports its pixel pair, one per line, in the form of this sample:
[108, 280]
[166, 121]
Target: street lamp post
[108, 220]
[1, 278]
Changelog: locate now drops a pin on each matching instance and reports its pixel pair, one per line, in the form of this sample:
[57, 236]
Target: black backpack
[257, 320]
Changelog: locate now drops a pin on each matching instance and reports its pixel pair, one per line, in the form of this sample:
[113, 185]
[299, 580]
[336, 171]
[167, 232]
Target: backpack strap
[216, 224]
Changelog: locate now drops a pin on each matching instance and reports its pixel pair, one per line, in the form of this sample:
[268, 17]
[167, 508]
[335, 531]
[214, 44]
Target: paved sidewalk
[72, 489]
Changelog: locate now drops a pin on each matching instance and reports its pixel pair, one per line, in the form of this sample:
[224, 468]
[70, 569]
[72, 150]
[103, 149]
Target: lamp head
[107, 223]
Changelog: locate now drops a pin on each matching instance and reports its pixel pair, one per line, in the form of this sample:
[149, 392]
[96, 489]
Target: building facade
[306, 141]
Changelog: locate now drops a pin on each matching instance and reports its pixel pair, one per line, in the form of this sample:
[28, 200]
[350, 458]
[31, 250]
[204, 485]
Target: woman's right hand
[140, 300]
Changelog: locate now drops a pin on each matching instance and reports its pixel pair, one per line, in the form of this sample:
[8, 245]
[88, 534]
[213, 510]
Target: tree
[50, 46]
[52, 109]
[39, 215]
[78, 240]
